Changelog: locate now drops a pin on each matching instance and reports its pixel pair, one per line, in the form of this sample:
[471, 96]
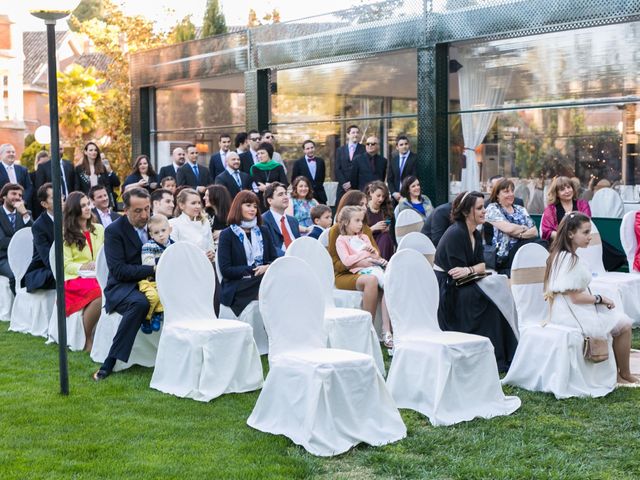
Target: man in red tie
[283, 228]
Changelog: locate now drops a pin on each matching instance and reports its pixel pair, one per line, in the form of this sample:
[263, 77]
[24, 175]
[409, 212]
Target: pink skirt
[80, 292]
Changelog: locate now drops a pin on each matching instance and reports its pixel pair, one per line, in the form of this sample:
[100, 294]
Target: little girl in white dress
[572, 304]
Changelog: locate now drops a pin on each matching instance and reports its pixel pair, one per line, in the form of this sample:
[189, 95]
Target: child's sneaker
[146, 327]
[156, 320]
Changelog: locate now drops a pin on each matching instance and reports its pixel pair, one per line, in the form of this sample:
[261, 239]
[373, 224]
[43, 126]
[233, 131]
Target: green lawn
[122, 429]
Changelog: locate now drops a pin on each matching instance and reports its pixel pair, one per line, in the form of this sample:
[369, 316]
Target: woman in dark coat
[467, 308]
[142, 176]
[95, 170]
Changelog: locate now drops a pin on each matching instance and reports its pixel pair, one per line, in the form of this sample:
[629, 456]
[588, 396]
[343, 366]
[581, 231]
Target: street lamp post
[51, 11]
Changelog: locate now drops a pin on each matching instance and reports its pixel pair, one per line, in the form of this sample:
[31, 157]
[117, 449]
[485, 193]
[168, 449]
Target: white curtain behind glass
[479, 89]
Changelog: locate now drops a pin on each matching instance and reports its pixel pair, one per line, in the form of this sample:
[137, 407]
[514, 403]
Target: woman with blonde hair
[562, 198]
[191, 224]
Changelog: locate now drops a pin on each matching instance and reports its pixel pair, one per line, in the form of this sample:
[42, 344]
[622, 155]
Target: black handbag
[489, 253]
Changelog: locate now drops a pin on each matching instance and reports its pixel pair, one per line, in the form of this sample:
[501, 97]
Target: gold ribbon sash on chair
[406, 229]
[526, 276]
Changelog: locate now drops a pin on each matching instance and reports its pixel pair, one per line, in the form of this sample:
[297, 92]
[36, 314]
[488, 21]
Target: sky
[168, 12]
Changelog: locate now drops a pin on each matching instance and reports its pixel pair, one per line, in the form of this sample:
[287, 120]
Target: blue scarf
[254, 249]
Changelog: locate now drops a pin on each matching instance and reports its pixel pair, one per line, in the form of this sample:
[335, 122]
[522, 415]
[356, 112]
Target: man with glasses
[369, 166]
[269, 137]
[191, 174]
[250, 157]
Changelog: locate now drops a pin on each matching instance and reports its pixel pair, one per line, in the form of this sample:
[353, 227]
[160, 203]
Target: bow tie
[311, 159]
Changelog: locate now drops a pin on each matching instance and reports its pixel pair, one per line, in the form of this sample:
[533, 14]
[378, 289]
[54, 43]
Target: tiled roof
[98, 60]
[34, 45]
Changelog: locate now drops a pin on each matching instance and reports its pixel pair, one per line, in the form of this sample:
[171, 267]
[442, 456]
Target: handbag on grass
[472, 277]
[594, 349]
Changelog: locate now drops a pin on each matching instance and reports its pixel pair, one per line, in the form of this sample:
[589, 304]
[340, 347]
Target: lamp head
[51, 10]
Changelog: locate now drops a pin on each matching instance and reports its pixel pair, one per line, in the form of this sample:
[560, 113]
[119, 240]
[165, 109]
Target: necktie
[12, 219]
[65, 190]
[142, 233]
[352, 148]
[285, 232]
[236, 175]
[403, 158]
[195, 171]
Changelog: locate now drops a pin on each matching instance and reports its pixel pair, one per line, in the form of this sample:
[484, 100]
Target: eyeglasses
[371, 144]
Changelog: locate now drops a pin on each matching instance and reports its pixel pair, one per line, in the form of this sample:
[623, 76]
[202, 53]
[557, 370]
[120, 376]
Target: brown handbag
[595, 349]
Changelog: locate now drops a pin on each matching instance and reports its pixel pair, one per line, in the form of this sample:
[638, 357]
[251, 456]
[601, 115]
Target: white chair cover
[324, 238]
[420, 243]
[450, 377]
[199, 356]
[408, 221]
[145, 346]
[6, 299]
[347, 328]
[607, 203]
[616, 285]
[75, 329]
[31, 311]
[326, 400]
[250, 315]
[550, 359]
[527, 285]
[628, 237]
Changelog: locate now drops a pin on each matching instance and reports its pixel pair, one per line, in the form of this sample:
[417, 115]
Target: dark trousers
[5, 271]
[134, 309]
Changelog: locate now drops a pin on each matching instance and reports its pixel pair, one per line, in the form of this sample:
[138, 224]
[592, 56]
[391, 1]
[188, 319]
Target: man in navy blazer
[101, 206]
[12, 173]
[369, 167]
[178, 158]
[218, 161]
[39, 275]
[284, 229]
[13, 217]
[43, 175]
[344, 157]
[233, 178]
[313, 168]
[402, 165]
[191, 174]
[123, 241]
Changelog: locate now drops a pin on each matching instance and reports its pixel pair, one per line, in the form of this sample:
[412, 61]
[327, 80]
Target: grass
[120, 428]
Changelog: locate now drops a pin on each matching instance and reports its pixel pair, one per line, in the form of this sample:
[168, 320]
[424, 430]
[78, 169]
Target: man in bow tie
[313, 169]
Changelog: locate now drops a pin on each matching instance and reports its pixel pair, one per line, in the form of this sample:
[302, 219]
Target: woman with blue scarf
[245, 251]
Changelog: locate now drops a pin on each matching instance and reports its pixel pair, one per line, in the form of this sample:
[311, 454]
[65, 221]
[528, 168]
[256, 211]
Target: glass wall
[555, 104]
[197, 113]
[319, 102]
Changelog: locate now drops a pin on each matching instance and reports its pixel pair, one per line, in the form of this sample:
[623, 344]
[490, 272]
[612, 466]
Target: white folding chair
[250, 315]
[324, 238]
[607, 203]
[617, 285]
[450, 377]
[199, 356]
[420, 243]
[628, 238]
[31, 311]
[75, 329]
[408, 221]
[6, 299]
[145, 346]
[527, 285]
[347, 328]
[326, 400]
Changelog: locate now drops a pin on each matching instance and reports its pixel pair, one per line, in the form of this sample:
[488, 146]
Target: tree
[214, 22]
[253, 19]
[183, 31]
[87, 10]
[267, 18]
[77, 99]
[118, 36]
[28, 157]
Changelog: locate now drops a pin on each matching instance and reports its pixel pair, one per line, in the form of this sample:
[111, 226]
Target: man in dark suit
[191, 174]
[284, 229]
[313, 168]
[123, 241]
[249, 157]
[232, 178]
[39, 275]
[438, 222]
[402, 165]
[368, 167]
[13, 216]
[344, 156]
[101, 209]
[11, 173]
[218, 161]
[178, 159]
[43, 175]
